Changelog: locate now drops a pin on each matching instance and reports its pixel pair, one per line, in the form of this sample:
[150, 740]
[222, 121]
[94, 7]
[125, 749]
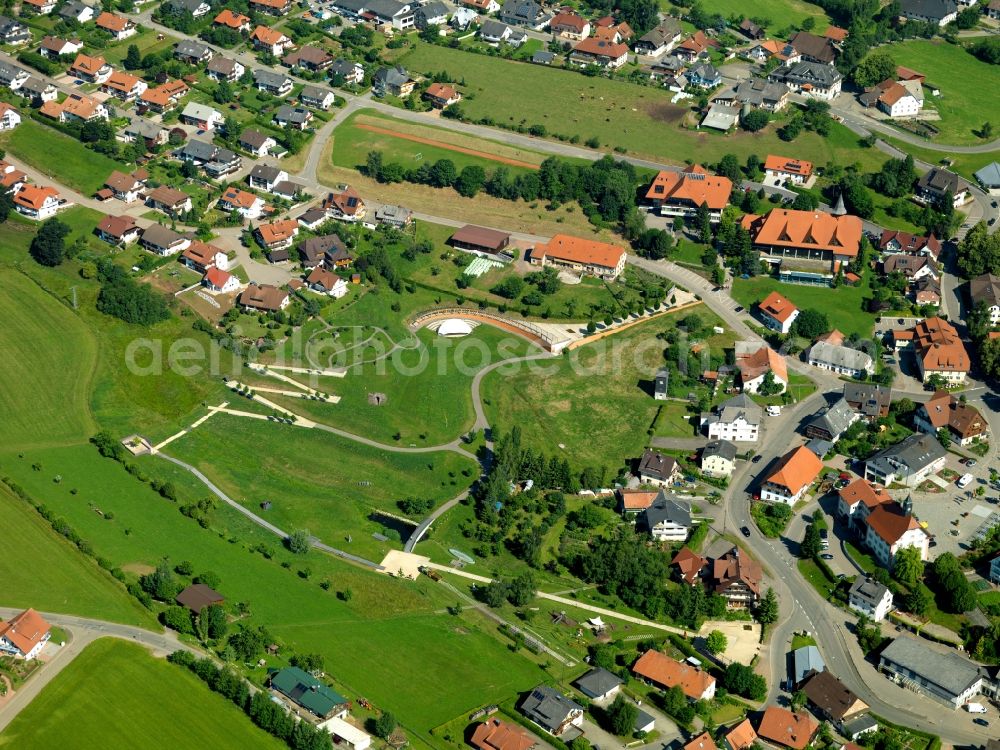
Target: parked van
[975, 708]
[964, 481]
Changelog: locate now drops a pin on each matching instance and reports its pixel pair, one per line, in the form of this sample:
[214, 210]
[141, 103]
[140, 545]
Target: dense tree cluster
[810, 323]
[979, 252]
[48, 247]
[742, 680]
[954, 592]
[266, 714]
[986, 49]
[605, 189]
[123, 297]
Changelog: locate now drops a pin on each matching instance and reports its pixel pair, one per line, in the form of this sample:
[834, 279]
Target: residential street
[801, 606]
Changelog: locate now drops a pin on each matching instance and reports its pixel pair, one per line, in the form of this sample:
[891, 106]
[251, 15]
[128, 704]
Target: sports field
[411, 143]
[116, 695]
[963, 81]
[639, 119]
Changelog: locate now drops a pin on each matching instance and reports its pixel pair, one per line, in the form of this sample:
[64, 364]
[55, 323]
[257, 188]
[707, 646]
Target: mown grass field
[639, 119]
[115, 694]
[847, 315]
[47, 368]
[780, 13]
[145, 41]
[964, 81]
[59, 578]
[317, 480]
[76, 167]
[428, 387]
[592, 406]
[352, 142]
[387, 624]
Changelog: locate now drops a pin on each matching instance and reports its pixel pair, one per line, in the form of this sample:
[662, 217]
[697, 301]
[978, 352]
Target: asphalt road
[82, 632]
[801, 606]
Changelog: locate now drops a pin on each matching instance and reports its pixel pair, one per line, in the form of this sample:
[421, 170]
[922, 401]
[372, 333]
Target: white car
[774, 411]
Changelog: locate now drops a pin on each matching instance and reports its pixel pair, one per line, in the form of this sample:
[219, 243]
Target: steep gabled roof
[692, 185]
[796, 469]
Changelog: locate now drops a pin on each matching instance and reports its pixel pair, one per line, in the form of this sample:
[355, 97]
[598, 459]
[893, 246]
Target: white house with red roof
[219, 281]
[891, 529]
[777, 312]
[37, 202]
[791, 477]
[10, 118]
[24, 636]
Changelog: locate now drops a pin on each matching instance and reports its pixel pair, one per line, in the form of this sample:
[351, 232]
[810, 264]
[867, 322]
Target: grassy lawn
[799, 386]
[77, 167]
[576, 407]
[428, 386]
[115, 694]
[811, 572]
[780, 13]
[316, 480]
[674, 420]
[146, 42]
[639, 119]
[60, 579]
[42, 336]
[800, 641]
[862, 558]
[352, 142]
[847, 315]
[455, 658]
[962, 80]
[963, 164]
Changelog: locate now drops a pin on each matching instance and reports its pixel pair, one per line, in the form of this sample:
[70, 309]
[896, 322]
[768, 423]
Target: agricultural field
[42, 336]
[620, 115]
[382, 615]
[59, 579]
[780, 13]
[411, 144]
[133, 386]
[962, 80]
[426, 385]
[847, 316]
[77, 167]
[115, 694]
[316, 480]
[575, 408]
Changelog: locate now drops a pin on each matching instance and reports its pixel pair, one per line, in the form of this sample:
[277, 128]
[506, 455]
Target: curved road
[83, 631]
[801, 607]
[481, 423]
